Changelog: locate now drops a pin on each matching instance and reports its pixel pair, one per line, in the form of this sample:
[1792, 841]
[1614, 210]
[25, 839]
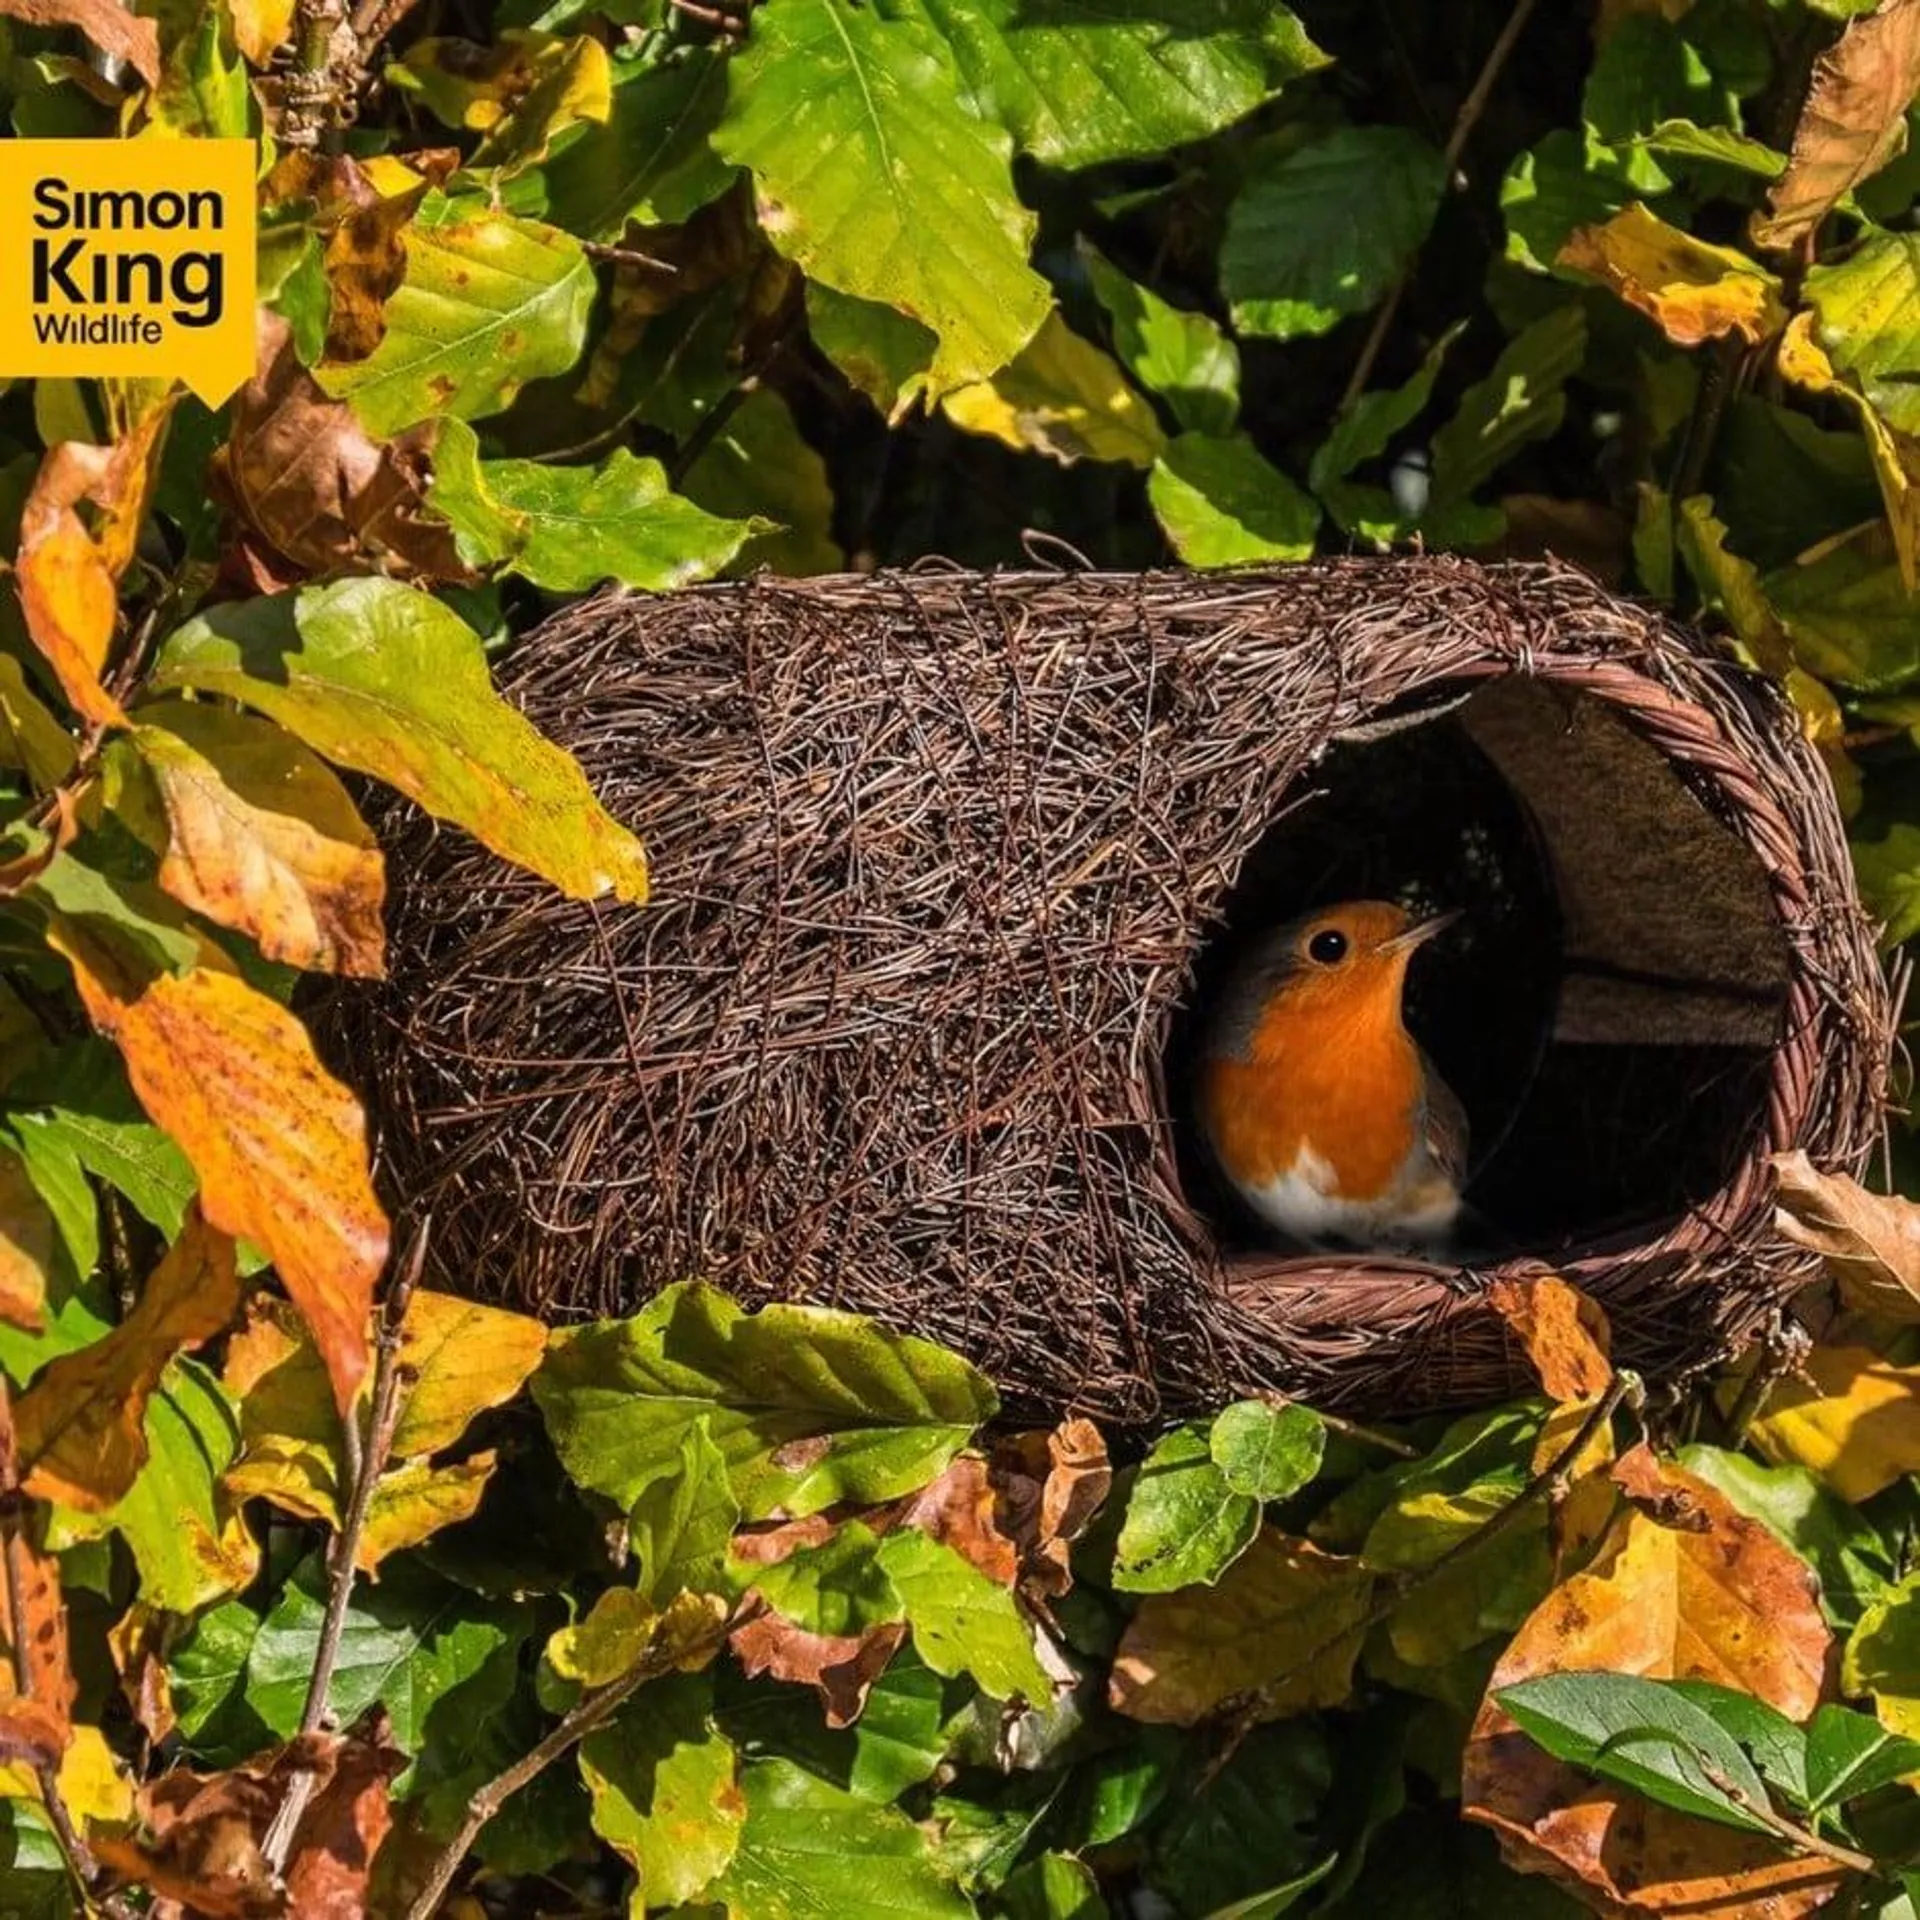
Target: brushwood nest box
[942, 861]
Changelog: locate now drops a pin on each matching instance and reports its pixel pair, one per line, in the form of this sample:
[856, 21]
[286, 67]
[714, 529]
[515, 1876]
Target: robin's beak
[1418, 936]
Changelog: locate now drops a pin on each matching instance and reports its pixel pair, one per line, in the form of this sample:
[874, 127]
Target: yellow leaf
[90, 1780]
[616, 1631]
[80, 1426]
[1853, 122]
[1691, 290]
[26, 1246]
[260, 27]
[1283, 1622]
[263, 838]
[1062, 397]
[1883, 1658]
[463, 1357]
[278, 1144]
[1850, 1415]
[414, 1502]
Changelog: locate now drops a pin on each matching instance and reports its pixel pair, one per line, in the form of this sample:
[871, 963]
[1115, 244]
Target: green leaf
[664, 1792]
[1182, 356]
[806, 1405]
[1570, 180]
[758, 465]
[1121, 1790]
[1777, 1744]
[206, 1673]
[1222, 504]
[489, 302]
[30, 737]
[961, 1621]
[1078, 83]
[1264, 1451]
[382, 678]
[1368, 427]
[874, 177]
[1851, 1754]
[32, 1867]
[1328, 230]
[1650, 69]
[1882, 1658]
[838, 1587]
[1855, 1564]
[1185, 1525]
[569, 528]
[411, 1643]
[653, 161]
[1643, 1735]
[885, 354]
[1848, 613]
[1721, 145]
[681, 1523]
[1868, 310]
[56, 1179]
[1521, 400]
[1055, 1886]
[809, 1849]
[189, 1544]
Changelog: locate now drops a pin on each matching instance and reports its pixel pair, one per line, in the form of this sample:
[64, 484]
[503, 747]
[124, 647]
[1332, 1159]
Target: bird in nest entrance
[1317, 1104]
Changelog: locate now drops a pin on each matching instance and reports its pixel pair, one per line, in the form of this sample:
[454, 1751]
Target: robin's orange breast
[1339, 1085]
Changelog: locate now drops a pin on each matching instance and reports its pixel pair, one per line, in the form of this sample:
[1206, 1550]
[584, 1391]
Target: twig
[1464, 122]
[723, 409]
[585, 1715]
[1367, 1436]
[365, 1462]
[625, 256]
[1549, 1484]
[1802, 1837]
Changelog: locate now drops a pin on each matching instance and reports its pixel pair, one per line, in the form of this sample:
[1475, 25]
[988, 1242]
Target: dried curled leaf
[81, 1426]
[1690, 290]
[113, 28]
[1853, 123]
[1686, 1589]
[1565, 1335]
[1870, 1241]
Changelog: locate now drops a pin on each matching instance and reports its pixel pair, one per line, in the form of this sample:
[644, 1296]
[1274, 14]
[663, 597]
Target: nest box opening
[1607, 1005]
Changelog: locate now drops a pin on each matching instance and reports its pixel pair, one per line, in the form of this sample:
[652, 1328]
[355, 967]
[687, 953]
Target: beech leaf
[1564, 1334]
[1690, 289]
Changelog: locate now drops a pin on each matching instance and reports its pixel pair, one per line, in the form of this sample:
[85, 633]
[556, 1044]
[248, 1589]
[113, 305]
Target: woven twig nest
[938, 859]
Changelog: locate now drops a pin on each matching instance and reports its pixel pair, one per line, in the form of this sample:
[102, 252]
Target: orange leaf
[841, 1666]
[81, 1426]
[1870, 1241]
[1565, 1335]
[36, 1722]
[1853, 123]
[109, 25]
[1708, 1595]
[956, 1508]
[1283, 1622]
[1692, 291]
[279, 1145]
[26, 1246]
[263, 838]
[67, 575]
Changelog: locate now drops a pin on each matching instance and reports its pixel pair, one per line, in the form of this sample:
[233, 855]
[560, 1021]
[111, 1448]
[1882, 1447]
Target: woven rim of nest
[1172, 1323]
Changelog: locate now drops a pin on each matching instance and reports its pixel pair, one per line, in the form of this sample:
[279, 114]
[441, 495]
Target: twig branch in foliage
[365, 1460]
[1776, 1822]
[1352, 1429]
[1464, 122]
[586, 1714]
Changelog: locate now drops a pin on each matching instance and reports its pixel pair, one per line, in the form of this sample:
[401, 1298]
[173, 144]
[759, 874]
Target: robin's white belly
[1419, 1209]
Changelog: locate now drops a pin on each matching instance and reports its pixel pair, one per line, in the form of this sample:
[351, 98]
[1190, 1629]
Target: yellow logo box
[128, 258]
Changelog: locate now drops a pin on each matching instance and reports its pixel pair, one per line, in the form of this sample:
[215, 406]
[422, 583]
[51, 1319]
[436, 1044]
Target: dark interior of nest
[1606, 1006]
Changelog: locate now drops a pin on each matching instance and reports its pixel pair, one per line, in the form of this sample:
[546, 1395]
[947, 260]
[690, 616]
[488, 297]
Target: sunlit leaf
[1847, 1412]
[1563, 1332]
[1848, 612]
[520, 92]
[1691, 290]
[884, 353]
[385, 679]
[109, 26]
[960, 1620]
[37, 1687]
[26, 1245]
[1221, 503]
[1868, 311]
[1185, 1523]
[1184, 357]
[1882, 1659]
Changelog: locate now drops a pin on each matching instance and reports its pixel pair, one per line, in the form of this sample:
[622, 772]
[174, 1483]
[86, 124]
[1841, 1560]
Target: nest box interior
[943, 862]
[1607, 1005]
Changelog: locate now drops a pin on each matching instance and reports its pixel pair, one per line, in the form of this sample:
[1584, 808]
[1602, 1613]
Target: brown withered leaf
[1690, 289]
[279, 1145]
[26, 1246]
[343, 1826]
[1853, 122]
[1281, 1627]
[138, 1641]
[35, 1723]
[81, 1426]
[67, 573]
[263, 838]
[1051, 1484]
[110, 26]
[1870, 1241]
[1715, 1597]
[842, 1667]
[957, 1509]
[770, 1541]
[316, 488]
[1564, 1334]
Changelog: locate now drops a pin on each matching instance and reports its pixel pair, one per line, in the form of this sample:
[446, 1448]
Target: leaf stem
[1367, 1436]
[366, 1459]
[1782, 1828]
[1464, 122]
[581, 1719]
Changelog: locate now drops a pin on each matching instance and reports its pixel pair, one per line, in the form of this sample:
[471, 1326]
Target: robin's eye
[1328, 947]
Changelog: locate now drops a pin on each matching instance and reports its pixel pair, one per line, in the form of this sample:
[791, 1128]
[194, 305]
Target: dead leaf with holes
[1685, 1588]
[1564, 1335]
[1854, 120]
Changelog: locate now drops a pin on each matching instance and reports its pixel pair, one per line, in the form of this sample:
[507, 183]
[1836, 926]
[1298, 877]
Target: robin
[1318, 1105]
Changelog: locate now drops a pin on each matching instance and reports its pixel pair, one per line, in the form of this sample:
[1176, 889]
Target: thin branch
[1802, 1837]
[1464, 122]
[366, 1459]
[585, 1715]
[1367, 1436]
